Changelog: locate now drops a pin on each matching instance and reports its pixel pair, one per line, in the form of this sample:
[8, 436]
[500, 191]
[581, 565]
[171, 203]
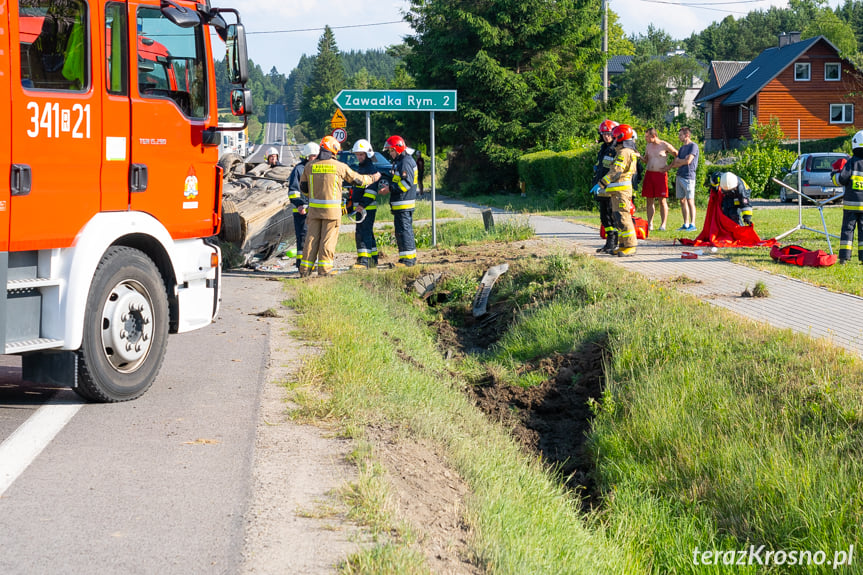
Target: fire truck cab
[110, 193]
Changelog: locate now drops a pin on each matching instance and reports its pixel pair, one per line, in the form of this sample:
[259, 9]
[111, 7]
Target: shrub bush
[564, 176]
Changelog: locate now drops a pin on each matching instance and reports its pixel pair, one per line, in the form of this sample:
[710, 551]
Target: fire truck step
[33, 345]
[30, 283]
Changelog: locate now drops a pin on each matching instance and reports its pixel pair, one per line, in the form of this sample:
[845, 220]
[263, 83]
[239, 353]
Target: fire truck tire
[125, 328]
[233, 164]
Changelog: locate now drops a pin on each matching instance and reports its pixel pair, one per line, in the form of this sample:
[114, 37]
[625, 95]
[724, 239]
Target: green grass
[422, 212]
[712, 432]
[449, 235]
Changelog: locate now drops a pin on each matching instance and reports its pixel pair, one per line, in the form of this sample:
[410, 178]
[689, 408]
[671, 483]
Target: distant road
[274, 134]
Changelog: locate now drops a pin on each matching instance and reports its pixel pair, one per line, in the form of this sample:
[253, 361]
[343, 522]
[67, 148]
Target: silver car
[815, 176]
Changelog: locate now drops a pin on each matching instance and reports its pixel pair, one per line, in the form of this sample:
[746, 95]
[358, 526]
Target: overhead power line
[321, 28]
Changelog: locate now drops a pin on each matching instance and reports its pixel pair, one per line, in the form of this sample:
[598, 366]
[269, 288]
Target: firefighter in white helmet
[300, 203]
[364, 199]
[735, 197]
[850, 174]
[273, 156]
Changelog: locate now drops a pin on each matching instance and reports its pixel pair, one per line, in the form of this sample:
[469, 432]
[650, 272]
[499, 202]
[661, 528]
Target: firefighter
[300, 203]
[618, 183]
[603, 162]
[850, 174]
[364, 199]
[401, 184]
[735, 196]
[322, 181]
[273, 156]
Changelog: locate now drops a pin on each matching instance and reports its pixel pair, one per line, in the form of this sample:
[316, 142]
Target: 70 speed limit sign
[340, 134]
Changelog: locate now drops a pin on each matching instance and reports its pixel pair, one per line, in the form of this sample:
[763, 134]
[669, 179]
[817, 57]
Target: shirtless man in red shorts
[655, 183]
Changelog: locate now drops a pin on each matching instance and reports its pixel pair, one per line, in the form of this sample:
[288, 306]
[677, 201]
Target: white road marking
[21, 448]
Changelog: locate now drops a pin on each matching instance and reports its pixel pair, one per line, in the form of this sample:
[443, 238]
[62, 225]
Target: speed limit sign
[340, 134]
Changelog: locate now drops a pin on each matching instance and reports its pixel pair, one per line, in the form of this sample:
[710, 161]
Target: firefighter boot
[362, 264]
[610, 243]
[624, 252]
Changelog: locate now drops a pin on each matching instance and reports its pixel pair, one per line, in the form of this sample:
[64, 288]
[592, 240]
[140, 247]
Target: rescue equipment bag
[800, 256]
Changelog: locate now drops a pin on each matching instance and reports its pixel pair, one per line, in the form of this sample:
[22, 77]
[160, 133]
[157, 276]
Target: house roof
[760, 71]
[617, 64]
[719, 73]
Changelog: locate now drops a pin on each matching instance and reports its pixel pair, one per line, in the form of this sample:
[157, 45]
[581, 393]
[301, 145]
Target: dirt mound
[553, 418]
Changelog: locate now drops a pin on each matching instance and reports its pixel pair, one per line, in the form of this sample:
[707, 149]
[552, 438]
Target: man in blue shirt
[686, 163]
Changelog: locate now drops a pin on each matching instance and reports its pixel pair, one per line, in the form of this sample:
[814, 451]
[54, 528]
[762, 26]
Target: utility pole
[605, 50]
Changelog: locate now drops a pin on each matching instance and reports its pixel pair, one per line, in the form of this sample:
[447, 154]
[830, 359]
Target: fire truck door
[5, 135]
[116, 108]
[176, 175]
[56, 135]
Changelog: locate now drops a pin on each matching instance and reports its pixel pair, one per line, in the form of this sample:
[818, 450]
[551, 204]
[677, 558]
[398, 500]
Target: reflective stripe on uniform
[622, 234]
[306, 264]
[315, 203]
[409, 255]
[404, 205]
[845, 245]
[617, 186]
[397, 179]
[363, 253]
[852, 206]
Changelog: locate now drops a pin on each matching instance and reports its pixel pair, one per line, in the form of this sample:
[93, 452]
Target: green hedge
[565, 176]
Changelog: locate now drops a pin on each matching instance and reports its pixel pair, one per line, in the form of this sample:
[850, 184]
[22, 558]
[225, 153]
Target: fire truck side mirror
[182, 17]
[237, 55]
[241, 102]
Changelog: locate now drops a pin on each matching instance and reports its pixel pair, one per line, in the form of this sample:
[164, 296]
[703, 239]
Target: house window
[739, 114]
[708, 120]
[802, 71]
[841, 113]
[832, 71]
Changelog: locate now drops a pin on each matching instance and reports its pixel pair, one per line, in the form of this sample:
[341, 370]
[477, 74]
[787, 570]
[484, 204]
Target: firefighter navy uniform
[322, 180]
[298, 200]
[604, 161]
[851, 176]
[618, 184]
[403, 196]
[367, 198]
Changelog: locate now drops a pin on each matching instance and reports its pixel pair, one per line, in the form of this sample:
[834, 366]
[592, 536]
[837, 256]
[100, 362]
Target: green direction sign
[397, 100]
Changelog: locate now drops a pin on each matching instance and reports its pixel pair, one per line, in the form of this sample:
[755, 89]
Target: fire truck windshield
[171, 62]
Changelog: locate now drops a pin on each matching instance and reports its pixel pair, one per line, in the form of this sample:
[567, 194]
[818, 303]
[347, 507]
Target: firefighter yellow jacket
[619, 177]
[322, 181]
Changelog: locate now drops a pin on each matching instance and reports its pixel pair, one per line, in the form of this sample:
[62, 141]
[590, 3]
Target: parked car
[815, 176]
[380, 162]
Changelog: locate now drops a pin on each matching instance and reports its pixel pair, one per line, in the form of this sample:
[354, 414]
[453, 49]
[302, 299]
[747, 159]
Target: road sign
[339, 120]
[340, 134]
[400, 100]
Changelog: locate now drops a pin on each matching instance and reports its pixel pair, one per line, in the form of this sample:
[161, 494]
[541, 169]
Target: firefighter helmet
[309, 150]
[396, 143]
[607, 126]
[728, 181]
[330, 144]
[363, 146]
[622, 133]
[713, 179]
[272, 151]
[857, 140]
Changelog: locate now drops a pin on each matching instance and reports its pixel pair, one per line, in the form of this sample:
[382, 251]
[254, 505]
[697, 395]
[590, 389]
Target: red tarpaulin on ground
[721, 231]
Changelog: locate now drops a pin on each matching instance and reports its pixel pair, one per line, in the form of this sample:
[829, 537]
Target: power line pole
[605, 50]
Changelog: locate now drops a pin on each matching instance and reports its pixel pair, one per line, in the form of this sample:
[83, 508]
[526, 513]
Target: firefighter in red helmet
[618, 183]
[402, 187]
[604, 160]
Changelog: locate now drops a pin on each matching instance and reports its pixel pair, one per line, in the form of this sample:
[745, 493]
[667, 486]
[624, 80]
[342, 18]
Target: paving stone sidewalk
[792, 304]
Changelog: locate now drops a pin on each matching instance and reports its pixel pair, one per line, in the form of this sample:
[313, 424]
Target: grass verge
[711, 432]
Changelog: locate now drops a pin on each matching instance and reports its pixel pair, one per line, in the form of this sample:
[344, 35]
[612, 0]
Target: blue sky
[283, 49]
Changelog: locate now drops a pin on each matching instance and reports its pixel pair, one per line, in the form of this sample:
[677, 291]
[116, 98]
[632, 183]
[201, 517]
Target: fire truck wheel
[125, 328]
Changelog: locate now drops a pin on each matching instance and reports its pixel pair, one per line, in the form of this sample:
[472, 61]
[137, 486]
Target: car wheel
[783, 196]
[125, 328]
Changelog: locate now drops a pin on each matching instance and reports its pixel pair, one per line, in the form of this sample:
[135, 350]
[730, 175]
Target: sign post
[430, 101]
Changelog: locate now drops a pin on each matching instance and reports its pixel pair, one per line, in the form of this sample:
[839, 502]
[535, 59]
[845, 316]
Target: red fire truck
[111, 192]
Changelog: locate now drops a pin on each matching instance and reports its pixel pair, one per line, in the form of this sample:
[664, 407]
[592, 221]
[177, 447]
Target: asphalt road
[274, 135]
[156, 485]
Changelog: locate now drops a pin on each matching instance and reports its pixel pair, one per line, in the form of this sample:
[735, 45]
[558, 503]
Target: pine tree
[327, 79]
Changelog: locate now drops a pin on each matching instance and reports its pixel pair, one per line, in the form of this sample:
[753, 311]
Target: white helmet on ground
[728, 181]
[364, 147]
[857, 140]
[310, 149]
